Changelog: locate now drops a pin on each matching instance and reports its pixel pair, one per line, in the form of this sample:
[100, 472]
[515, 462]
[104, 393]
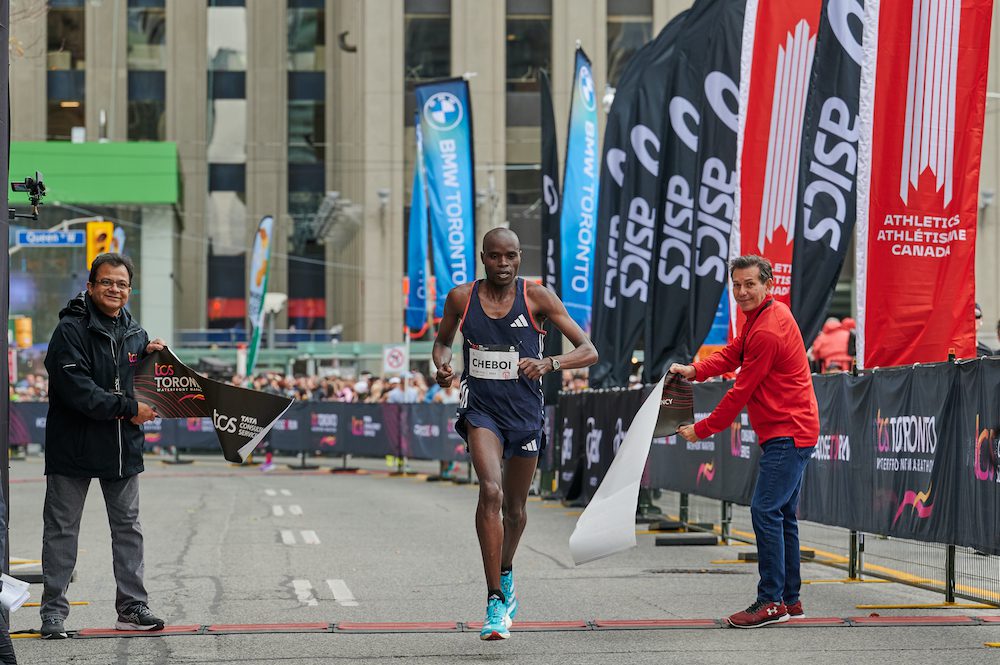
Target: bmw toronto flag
[242, 418]
[446, 123]
[579, 198]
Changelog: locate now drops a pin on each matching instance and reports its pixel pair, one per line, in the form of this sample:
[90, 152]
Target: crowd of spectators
[365, 388]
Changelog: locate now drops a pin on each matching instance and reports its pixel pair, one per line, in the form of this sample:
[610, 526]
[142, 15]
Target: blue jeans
[775, 500]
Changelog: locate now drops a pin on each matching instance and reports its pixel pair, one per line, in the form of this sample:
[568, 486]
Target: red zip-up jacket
[774, 382]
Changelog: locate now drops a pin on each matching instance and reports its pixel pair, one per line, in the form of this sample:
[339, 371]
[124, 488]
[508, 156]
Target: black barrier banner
[626, 210]
[910, 452]
[365, 432]
[239, 417]
[27, 422]
[827, 193]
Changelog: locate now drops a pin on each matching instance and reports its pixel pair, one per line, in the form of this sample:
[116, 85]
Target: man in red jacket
[775, 386]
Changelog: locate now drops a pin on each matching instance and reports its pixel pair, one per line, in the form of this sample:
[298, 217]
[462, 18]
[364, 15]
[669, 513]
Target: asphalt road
[228, 545]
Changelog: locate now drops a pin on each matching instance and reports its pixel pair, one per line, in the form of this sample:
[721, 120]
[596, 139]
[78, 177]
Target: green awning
[98, 173]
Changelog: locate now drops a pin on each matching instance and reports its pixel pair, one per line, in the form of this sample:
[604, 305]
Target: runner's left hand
[533, 368]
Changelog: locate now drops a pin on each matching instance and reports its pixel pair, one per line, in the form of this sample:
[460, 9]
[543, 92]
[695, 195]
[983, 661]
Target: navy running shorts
[516, 443]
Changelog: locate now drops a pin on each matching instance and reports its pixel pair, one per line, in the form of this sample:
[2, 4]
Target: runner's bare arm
[454, 308]
[545, 305]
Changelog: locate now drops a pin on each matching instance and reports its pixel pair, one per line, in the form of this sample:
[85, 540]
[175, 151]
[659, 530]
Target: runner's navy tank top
[491, 346]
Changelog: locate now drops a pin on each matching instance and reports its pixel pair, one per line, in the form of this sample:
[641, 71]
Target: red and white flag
[923, 96]
[779, 41]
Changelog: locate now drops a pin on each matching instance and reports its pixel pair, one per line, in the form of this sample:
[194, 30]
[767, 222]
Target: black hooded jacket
[88, 431]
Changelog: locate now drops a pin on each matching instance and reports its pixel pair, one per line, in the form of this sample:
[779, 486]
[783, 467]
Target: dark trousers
[64, 499]
[775, 500]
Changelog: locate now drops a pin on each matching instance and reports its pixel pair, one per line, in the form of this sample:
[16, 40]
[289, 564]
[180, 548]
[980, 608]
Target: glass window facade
[147, 34]
[529, 50]
[306, 38]
[306, 162]
[65, 35]
[630, 26]
[226, 214]
[426, 49]
[65, 87]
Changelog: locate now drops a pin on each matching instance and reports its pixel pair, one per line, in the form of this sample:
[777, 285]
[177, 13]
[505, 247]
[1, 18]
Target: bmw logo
[443, 111]
[586, 86]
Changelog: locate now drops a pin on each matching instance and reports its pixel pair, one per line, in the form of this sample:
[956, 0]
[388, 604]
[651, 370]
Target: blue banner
[446, 120]
[579, 198]
[416, 258]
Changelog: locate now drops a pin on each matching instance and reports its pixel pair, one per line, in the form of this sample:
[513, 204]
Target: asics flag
[260, 263]
[416, 256]
[241, 417]
[779, 42]
[579, 197]
[923, 96]
[552, 382]
[698, 169]
[828, 164]
[626, 212]
[446, 120]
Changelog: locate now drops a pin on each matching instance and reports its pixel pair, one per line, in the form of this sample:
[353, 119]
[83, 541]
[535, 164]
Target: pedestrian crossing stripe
[519, 322]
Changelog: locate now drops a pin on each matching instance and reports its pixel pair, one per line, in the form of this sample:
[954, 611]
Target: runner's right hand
[444, 375]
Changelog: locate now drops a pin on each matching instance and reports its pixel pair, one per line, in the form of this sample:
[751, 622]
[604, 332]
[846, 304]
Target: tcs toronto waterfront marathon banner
[445, 110]
[893, 456]
[241, 418]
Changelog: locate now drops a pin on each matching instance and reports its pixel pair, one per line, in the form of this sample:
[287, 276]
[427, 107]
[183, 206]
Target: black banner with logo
[827, 194]
[697, 171]
[910, 452]
[627, 208]
[240, 418]
[551, 383]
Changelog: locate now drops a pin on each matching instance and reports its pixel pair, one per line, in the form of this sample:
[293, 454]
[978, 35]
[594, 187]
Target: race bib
[496, 363]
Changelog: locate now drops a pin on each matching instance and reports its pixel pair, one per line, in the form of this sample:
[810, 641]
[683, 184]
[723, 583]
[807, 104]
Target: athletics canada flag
[241, 417]
[923, 98]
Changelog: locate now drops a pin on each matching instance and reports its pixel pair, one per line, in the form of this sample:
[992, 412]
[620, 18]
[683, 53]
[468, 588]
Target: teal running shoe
[507, 586]
[496, 623]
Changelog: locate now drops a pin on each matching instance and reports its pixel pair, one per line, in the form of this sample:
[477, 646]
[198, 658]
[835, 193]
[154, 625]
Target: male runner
[500, 408]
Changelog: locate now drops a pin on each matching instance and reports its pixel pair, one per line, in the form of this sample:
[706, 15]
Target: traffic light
[99, 236]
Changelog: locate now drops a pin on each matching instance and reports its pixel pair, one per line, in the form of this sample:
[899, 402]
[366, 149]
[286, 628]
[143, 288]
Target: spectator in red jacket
[775, 386]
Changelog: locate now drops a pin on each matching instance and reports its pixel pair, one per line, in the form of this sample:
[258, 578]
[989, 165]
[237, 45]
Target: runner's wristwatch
[555, 364]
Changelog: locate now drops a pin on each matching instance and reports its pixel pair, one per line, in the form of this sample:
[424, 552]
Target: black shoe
[138, 617]
[53, 629]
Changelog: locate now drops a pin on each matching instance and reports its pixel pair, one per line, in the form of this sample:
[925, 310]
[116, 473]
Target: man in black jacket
[93, 430]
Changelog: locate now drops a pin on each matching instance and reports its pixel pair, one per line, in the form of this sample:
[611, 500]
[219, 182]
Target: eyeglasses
[108, 283]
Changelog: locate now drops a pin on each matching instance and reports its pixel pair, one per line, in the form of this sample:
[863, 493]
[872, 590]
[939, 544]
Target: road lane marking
[278, 511]
[304, 592]
[287, 537]
[310, 537]
[341, 593]
[295, 510]
[270, 492]
[286, 492]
